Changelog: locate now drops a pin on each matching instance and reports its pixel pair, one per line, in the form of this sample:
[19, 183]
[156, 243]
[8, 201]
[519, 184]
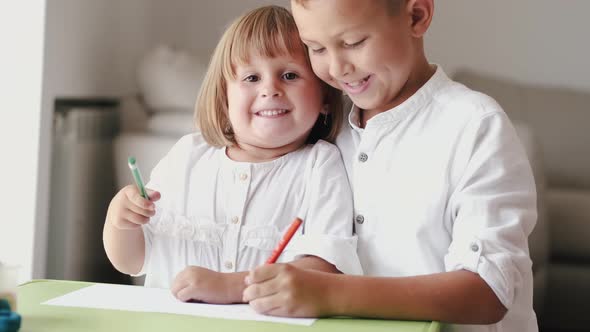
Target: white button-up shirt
[228, 216]
[441, 183]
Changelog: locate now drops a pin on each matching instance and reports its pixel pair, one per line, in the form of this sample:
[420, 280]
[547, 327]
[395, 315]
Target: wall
[533, 41]
[20, 108]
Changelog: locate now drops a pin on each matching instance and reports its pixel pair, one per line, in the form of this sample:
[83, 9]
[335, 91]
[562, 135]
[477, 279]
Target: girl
[221, 198]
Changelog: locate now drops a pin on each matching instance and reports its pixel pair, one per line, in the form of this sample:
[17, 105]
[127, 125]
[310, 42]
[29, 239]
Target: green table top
[38, 317]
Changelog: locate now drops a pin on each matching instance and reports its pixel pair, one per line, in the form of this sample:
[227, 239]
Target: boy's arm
[458, 297]
[315, 263]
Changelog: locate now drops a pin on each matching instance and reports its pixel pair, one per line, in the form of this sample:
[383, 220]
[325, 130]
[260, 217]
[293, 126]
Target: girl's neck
[255, 154]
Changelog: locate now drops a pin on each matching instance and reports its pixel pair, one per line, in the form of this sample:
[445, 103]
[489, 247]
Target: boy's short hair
[393, 5]
[270, 31]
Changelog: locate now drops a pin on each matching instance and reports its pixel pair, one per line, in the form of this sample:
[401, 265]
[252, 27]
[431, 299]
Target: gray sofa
[554, 125]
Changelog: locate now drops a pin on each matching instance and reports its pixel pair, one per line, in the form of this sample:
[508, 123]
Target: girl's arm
[122, 232]
[124, 248]
[460, 297]
[201, 284]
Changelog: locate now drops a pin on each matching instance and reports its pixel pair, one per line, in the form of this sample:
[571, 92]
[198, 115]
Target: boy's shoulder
[458, 101]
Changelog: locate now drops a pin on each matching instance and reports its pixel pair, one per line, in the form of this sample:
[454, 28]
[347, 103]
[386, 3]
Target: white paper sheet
[142, 299]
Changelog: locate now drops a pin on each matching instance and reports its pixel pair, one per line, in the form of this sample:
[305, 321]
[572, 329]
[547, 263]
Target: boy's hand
[129, 210]
[200, 284]
[285, 290]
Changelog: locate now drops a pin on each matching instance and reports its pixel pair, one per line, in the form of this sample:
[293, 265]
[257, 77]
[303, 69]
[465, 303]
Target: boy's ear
[421, 12]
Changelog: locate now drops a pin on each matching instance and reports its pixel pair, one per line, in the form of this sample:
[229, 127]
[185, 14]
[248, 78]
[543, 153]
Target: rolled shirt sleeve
[494, 207]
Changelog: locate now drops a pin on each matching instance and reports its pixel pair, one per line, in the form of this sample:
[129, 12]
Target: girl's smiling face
[273, 103]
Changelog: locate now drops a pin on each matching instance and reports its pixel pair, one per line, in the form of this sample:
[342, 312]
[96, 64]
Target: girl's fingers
[184, 294]
[135, 218]
[141, 210]
[133, 195]
[153, 195]
[176, 286]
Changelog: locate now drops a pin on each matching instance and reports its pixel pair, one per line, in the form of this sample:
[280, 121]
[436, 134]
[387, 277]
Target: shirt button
[229, 265]
[360, 219]
[363, 157]
[243, 176]
[235, 220]
[474, 247]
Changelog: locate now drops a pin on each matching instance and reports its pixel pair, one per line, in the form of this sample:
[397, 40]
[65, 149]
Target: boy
[444, 197]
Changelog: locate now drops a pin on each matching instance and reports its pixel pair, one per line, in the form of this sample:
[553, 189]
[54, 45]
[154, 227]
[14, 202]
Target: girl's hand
[285, 290]
[200, 284]
[129, 210]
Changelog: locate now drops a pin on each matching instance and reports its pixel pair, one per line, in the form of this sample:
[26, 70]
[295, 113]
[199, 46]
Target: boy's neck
[416, 80]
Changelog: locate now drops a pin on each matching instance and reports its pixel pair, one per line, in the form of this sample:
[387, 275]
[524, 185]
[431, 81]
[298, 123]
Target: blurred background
[87, 83]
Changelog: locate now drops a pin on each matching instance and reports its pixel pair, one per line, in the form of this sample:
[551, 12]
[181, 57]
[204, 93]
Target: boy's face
[359, 47]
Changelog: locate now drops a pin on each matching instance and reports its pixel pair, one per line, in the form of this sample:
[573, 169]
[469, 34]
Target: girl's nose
[271, 89]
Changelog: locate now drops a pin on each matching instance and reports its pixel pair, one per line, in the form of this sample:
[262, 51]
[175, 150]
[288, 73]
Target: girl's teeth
[272, 112]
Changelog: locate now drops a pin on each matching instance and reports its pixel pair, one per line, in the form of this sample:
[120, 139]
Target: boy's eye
[316, 50]
[251, 78]
[356, 44]
[290, 76]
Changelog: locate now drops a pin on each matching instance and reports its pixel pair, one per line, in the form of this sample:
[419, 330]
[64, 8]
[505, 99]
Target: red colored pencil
[284, 241]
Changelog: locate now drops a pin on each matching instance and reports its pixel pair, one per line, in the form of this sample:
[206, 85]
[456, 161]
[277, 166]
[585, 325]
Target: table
[37, 317]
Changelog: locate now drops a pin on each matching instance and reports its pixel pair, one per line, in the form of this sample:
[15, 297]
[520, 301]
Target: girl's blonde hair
[270, 31]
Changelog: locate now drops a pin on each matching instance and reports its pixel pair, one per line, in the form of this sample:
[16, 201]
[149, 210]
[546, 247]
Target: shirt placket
[241, 183]
[361, 172]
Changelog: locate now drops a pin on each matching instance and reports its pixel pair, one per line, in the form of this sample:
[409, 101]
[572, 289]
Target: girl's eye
[353, 45]
[251, 78]
[290, 76]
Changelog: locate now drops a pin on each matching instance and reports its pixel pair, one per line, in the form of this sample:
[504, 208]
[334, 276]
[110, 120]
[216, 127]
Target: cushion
[569, 211]
[558, 116]
[539, 238]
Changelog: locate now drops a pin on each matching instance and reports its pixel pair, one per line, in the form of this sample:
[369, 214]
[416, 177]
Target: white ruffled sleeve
[328, 222]
[164, 178]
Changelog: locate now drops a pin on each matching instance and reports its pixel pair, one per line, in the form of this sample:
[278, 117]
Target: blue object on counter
[9, 321]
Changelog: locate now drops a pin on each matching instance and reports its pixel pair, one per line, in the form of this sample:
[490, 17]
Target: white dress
[228, 216]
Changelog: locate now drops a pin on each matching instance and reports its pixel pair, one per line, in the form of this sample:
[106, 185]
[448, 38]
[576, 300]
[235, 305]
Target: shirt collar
[418, 100]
